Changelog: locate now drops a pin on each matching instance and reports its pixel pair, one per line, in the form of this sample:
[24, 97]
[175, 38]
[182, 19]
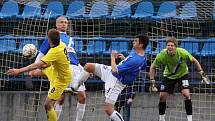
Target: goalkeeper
[176, 71]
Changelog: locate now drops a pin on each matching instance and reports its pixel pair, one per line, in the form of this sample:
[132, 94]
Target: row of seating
[99, 45]
[100, 9]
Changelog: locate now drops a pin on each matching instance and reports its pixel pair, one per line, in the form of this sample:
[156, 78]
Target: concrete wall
[28, 106]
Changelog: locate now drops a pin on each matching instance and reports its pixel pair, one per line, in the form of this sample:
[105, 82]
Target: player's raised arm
[30, 67]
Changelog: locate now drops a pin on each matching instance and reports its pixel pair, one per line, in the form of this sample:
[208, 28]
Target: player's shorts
[168, 85]
[76, 71]
[56, 86]
[113, 86]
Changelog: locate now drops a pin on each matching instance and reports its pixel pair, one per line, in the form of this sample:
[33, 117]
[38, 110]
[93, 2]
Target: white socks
[80, 111]
[58, 109]
[82, 78]
[162, 117]
[116, 116]
[189, 118]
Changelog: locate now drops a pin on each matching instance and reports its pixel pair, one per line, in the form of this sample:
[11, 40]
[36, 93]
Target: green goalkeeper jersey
[175, 65]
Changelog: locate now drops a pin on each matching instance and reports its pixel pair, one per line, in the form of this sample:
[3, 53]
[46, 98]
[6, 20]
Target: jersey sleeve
[157, 62]
[188, 55]
[44, 48]
[49, 57]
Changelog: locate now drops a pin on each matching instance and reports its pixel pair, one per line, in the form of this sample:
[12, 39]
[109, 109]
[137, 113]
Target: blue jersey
[44, 48]
[130, 67]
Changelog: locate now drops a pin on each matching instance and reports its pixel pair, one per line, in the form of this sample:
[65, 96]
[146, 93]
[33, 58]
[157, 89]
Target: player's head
[62, 24]
[53, 37]
[171, 45]
[140, 41]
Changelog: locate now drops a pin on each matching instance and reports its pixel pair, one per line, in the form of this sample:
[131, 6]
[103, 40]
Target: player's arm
[113, 61]
[152, 72]
[30, 67]
[197, 64]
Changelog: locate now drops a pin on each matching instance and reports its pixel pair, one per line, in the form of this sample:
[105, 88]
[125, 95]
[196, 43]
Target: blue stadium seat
[120, 45]
[9, 9]
[78, 45]
[166, 10]
[190, 44]
[27, 40]
[31, 9]
[188, 11]
[208, 48]
[121, 9]
[96, 46]
[99, 9]
[161, 44]
[76, 9]
[148, 49]
[144, 10]
[54, 9]
[7, 44]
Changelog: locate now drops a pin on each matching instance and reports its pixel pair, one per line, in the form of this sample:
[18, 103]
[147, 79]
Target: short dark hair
[143, 39]
[173, 40]
[54, 36]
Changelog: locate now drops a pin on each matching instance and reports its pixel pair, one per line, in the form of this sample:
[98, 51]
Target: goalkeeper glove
[152, 87]
[204, 77]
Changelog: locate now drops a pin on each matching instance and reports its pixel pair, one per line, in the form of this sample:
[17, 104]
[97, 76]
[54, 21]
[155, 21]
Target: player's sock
[189, 118]
[80, 111]
[162, 117]
[188, 107]
[51, 115]
[82, 78]
[162, 109]
[58, 109]
[115, 116]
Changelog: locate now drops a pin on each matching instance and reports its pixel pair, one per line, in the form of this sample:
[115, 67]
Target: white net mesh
[22, 98]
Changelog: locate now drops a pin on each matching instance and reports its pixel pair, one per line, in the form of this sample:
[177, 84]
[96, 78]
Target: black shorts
[168, 85]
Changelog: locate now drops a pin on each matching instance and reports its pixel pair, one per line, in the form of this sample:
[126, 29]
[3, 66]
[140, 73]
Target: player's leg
[81, 104]
[49, 107]
[167, 87]
[186, 94]
[126, 111]
[111, 97]
[59, 105]
[84, 75]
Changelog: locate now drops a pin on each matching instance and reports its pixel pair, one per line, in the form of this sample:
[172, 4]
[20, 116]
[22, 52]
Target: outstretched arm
[197, 64]
[30, 67]
[152, 72]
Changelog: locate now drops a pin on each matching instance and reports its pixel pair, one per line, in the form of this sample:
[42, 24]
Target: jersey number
[53, 89]
[66, 53]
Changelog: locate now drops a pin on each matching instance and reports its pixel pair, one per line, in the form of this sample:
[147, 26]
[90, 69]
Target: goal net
[22, 97]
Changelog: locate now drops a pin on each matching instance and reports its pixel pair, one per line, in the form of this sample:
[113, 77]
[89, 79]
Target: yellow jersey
[58, 58]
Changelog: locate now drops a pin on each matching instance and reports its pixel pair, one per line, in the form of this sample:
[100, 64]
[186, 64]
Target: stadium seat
[27, 40]
[121, 9]
[190, 44]
[144, 10]
[54, 9]
[7, 44]
[208, 48]
[76, 9]
[188, 11]
[161, 44]
[166, 10]
[96, 46]
[9, 9]
[78, 45]
[99, 9]
[31, 9]
[148, 49]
